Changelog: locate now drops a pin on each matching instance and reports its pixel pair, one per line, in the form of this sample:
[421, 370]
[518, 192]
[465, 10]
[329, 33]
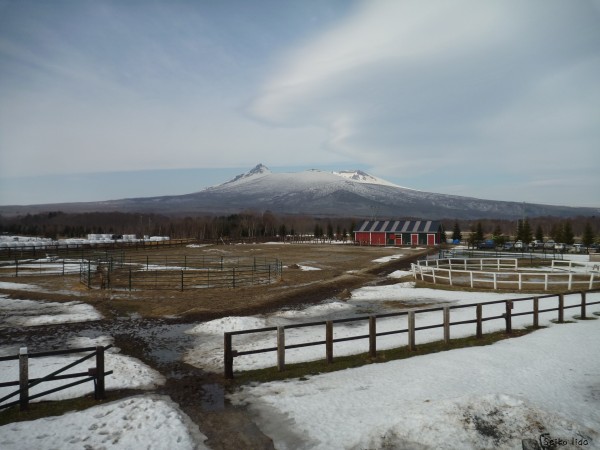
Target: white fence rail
[503, 274]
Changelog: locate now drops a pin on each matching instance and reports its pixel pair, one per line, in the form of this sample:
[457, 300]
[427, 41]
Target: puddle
[213, 398]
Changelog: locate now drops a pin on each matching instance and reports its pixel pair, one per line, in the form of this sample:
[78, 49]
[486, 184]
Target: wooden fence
[470, 273]
[176, 272]
[280, 346]
[95, 374]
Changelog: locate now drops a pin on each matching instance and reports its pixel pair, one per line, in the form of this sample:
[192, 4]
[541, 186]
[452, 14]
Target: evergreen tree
[519, 230]
[588, 235]
[318, 231]
[443, 236]
[567, 234]
[498, 237]
[527, 233]
[329, 231]
[456, 234]
[479, 233]
[539, 233]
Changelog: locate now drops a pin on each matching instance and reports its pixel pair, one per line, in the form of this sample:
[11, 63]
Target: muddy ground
[150, 325]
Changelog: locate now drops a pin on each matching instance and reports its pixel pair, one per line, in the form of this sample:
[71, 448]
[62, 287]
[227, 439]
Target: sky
[108, 99]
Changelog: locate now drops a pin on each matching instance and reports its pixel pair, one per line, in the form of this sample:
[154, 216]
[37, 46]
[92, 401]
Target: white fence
[504, 274]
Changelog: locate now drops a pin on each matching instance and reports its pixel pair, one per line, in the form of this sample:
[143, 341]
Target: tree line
[255, 224]
[583, 229]
[57, 225]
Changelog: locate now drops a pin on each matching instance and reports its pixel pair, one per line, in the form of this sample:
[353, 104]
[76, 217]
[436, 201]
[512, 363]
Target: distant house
[399, 232]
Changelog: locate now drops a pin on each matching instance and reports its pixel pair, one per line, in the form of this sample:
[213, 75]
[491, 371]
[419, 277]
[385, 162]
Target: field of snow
[474, 398]
[142, 422]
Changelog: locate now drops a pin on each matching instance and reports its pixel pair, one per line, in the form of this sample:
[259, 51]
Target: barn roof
[400, 226]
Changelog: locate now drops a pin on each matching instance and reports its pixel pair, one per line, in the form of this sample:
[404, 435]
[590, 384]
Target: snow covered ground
[141, 422]
[483, 397]
[147, 421]
[364, 301]
[473, 398]
[14, 312]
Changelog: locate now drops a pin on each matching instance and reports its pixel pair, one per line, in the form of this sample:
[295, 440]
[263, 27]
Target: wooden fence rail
[507, 316]
[95, 374]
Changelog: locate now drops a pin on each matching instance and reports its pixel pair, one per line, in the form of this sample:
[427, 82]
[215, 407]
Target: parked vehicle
[487, 244]
[519, 245]
[559, 247]
[577, 248]
[537, 244]
[508, 245]
[549, 245]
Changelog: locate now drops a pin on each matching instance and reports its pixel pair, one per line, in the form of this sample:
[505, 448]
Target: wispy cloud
[508, 86]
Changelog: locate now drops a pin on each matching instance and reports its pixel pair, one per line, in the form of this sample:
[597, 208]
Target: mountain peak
[362, 177]
[259, 169]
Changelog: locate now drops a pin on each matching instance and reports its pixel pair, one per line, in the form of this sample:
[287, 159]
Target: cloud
[412, 86]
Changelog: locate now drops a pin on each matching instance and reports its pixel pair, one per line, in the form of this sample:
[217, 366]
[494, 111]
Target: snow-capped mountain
[363, 177]
[320, 194]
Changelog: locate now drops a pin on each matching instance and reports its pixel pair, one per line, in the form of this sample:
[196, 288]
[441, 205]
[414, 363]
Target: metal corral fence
[177, 272]
[505, 274]
[35, 250]
[52, 265]
[529, 306]
[95, 374]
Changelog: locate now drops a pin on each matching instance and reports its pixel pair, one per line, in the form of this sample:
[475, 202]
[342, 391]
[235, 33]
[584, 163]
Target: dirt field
[340, 267]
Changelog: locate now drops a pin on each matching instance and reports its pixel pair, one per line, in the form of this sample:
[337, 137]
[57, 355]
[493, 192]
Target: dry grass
[340, 267]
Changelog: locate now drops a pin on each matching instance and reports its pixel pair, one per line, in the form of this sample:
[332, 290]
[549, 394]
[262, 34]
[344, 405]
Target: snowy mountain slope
[317, 193]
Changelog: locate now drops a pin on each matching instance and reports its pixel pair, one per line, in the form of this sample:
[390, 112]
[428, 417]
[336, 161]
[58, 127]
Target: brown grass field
[342, 267]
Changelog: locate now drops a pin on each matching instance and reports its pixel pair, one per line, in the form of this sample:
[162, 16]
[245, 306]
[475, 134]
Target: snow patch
[136, 422]
[231, 323]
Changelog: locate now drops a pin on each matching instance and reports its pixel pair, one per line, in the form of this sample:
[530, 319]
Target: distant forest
[250, 224]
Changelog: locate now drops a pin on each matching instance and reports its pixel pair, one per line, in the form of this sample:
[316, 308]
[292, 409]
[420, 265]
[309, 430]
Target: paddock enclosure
[177, 272]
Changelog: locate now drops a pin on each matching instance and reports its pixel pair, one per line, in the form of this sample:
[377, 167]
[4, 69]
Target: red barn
[399, 232]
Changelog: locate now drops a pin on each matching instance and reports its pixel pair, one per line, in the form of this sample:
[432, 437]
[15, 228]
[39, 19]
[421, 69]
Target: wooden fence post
[411, 331]
[23, 379]
[228, 356]
[446, 324]
[479, 313]
[583, 305]
[280, 348]
[372, 337]
[329, 341]
[536, 312]
[561, 308]
[508, 316]
[182, 281]
[99, 391]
